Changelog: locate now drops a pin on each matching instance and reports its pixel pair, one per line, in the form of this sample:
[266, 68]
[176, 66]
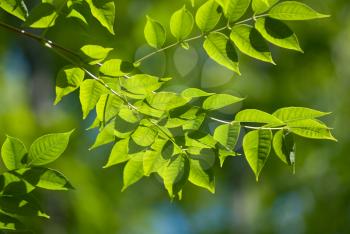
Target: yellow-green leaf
[208, 15]
[181, 23]
[154, 33]
[218, 101]
[234, 9]
[13, 153]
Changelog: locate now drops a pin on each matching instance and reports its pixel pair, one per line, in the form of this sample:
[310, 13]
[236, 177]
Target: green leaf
[42, 16]
[208, 15]
[181, 23]
[104, 12]
[116, 67]
[119, 153]
[221, 50]
[284, 147]
[277, 33]
[201, 173]
[13, 153]
[152, 162]
[126, 122]
[257, 147]
[218, 101]
[21, 206]
[292, 10]
[13, 185]
[108, 107]
[141, 84]
[155, 33]
[10, 223]
[90, 92]
[289, 114]
[68, 80]
[105, 136]
[250, 42]
[260, 6]
[45, 178]
[48, 148]
[96, 53]
[194, 93]
[133, 171]
[15, 7]
[175, 174]
[257, 116]
[144, 136]
[227, 135]
[311, 128]
[234, 9]
[166, 101]
[194, 124]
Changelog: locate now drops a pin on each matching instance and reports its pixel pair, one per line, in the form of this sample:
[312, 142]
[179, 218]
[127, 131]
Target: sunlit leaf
[227, 135]
[250, 42]
[311, 128]
[284, 147]
[181, 23]
[119, 153]
[141, 84]
[256, 116]
[292, 10]
[260, 6]
[257, 147]
[277, 33]
[42, 16]
[13, 153]
[104, 12]
[144, 136]
[154, 33]
[96, 53]
[133, 171]
[221, 50]
[234, 9]
[218, 101]
[90, 92]
[289, 114]
[48, 148]
[116, 67]
[166, 101]
[15, 7]
[208, 15]
[68, 80]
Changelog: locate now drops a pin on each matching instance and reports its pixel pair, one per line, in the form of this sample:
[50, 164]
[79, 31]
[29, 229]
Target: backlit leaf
[260, 6]
[42, 16]
[15, 7]
[90, 92]
[218, 101]
[181, 23]
[227, 135]
[289, 114]
[104, 12]
[133, 171]
[13, 153]
[154, 33]
[256, 116]
[234, 9]
[208, 15]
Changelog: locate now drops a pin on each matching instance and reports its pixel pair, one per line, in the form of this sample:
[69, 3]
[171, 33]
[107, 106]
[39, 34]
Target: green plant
[26, 174]
[167, 133]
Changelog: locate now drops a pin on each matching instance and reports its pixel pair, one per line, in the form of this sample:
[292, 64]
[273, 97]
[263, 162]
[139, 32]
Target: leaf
[234, 9]
[10, 223]
[144, 136]
[90, 92]
[133, 171]
[292, 10]
[257, 116]
[119, 153]
[13, 153]
[181, 23]
[105, 136]
[194, 124]
[202, 174]
[68, 80]
[208, 15]
[104, 12]
[141, 84]
[166, 101]
[218, 101]
[152, 162]
[95, 52]
[42, 16]
[45, 178]
[257, 147]
[12, 185]
[250, 42]
[289, 114]
[48, 148]
[221, 50]
[126, 122]
[21, 206]
[175, 174]
[15, 7]
[108, 107]
[227, 135]
[260, 6]
[277, 33]
[194, 93]
[311, 128]
[155, 34]
[116, 67]
[284, 147]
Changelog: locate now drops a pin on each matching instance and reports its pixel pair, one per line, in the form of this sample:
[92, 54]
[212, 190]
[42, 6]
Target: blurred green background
[315, 200]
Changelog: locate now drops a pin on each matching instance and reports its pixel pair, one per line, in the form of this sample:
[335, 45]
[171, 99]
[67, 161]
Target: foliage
[155, 131]
[26, 175]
